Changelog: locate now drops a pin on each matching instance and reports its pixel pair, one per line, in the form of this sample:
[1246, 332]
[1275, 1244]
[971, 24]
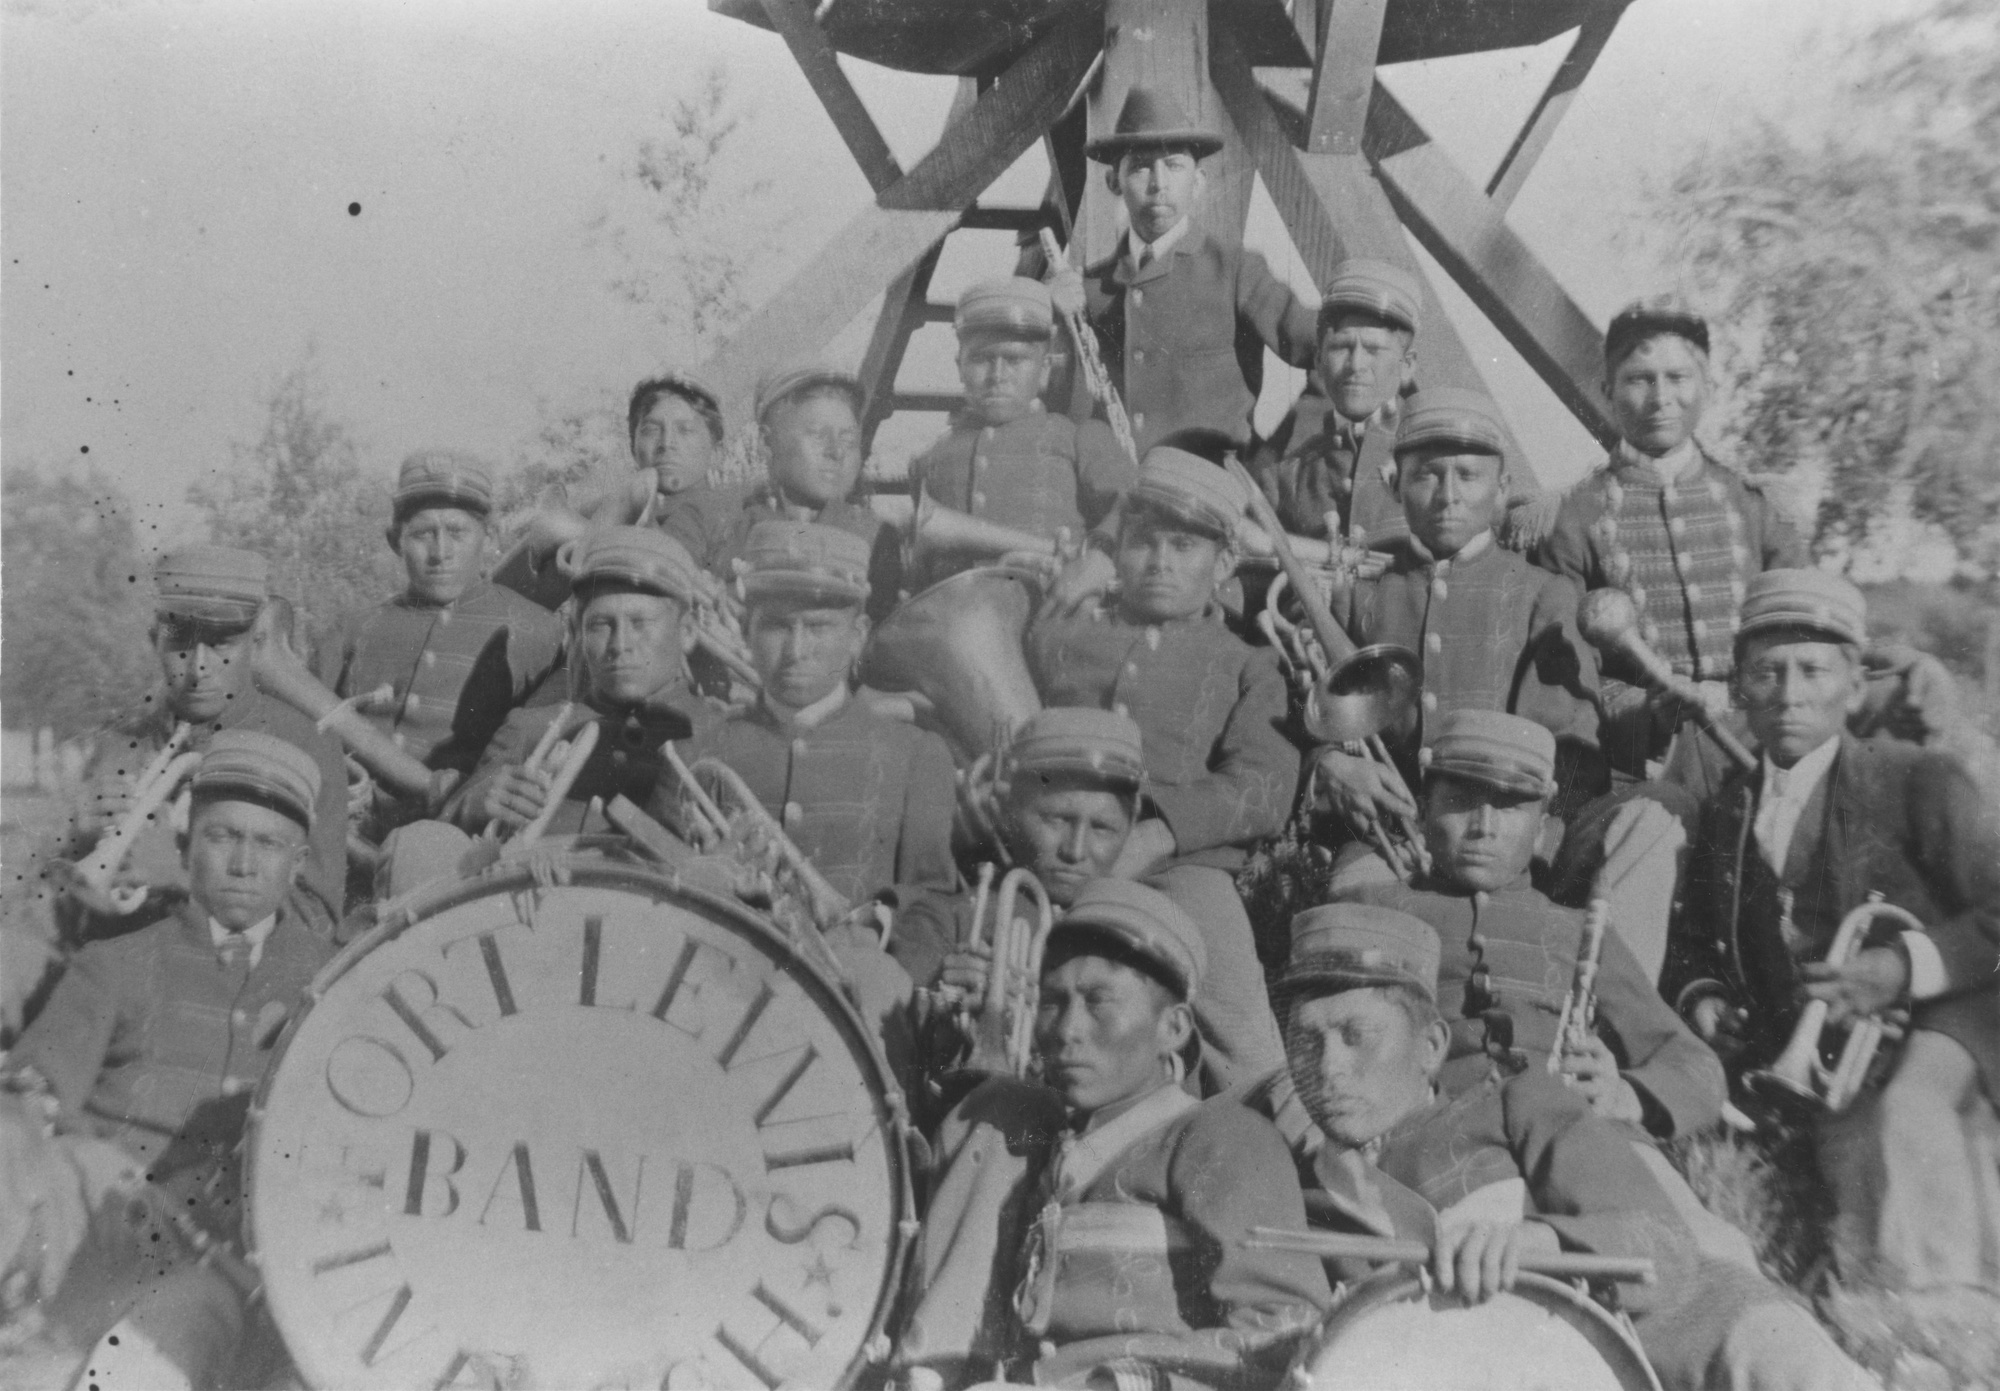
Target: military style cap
[1452, 415]
[1496, 750]
[1190, 489]
[782, 383]
[1015, 307]
[1148, 121]
[1145, 922]
[211, 584]
[805, 561]
[1343, 946]
[443, 478]
[1813, 601]
[640, 559]
[1079, 739]
[676, 381]
[1643, 318]
[261, 768]
[1381, 288]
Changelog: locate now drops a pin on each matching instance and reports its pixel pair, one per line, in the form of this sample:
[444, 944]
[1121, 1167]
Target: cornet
[90, 880]
[1000, 1025]
[1799, 1071]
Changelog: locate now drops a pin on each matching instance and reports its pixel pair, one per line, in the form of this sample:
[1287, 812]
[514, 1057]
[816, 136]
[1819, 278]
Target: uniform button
[794, 813]
[1138, 420]
[987, 433]
[411, 702]
[799, 747]
[1121, 708]
[978, 501]
[430, 659]
[1138, 297]
[239, 1017]
[444, 618]
[1439, 589]
[1153, 638]
[1424, 756]
[1699, 627]
[1677, 526]
[1430, 702]
[1694, 593]
[1139, 355]
[1433, 642]
[234, 1086]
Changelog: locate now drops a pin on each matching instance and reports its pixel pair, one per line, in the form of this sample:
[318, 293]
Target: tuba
[1799, 1071]
[90, 880]
[958, 645]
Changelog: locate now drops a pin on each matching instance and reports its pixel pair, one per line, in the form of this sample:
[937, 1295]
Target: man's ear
[1436, 1046]
[1112, 181]
[1225, 563]
[1177, 1025]
[393, 534]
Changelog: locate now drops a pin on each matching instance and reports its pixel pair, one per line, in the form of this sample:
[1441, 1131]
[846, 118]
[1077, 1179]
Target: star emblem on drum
[333, 1212]
[818, 1272]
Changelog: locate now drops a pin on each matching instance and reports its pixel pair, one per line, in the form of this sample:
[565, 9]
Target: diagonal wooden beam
[793, 19]
[1337, 111]
[1540, 127]
[911, 215]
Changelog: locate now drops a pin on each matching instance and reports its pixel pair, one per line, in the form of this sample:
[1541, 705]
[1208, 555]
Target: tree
[77, 602]
[300, 497]
[1859, 279]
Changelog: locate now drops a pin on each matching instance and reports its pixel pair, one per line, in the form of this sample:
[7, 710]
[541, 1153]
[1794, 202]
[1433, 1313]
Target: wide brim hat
[805, 563]
[1808, 601]
[1142, 921]
[1349, 946]
[1151, 120]
[251, 765]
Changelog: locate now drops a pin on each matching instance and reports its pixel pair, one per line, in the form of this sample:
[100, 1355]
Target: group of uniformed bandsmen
[1087, 1227]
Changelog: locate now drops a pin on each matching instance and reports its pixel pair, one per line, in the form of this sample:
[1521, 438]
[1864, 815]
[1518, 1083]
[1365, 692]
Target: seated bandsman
[632, 591]
[206, 607]
[1330, 468]
[1090, 1232]
[458, 651]
[809, 423]
[1220, 769]
[156, 1039]
[1507, 1169]
[1783, 854]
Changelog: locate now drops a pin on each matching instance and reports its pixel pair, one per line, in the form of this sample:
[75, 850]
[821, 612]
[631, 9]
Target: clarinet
[1579, 1009]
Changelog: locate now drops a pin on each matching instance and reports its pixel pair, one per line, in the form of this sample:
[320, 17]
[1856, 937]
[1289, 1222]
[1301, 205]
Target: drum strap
[1077, 1162]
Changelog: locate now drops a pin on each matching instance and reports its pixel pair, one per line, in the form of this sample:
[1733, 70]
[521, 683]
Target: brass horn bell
[958, 644]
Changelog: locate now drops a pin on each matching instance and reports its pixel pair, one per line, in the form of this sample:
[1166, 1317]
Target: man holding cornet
[1784, 855]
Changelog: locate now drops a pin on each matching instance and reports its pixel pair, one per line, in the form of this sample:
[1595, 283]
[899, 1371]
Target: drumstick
[1344, 1246]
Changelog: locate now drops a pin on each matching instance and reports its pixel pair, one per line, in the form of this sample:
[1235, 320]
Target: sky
[195, 194]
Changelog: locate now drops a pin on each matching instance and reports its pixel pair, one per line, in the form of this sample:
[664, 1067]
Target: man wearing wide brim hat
[1048, 1248]
[1220, 770]
[1513, 1167]
[207, 601]
[1182, 317]
[632, 588]
[1785, 851]
[155, 1040]
[1006, 459]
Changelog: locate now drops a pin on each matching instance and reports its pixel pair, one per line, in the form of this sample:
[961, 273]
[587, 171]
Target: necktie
[1771, 807]
[1145, 255]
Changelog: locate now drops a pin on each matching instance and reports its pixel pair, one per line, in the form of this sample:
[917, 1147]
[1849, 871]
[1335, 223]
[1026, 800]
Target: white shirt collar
[1162, 246]
[814, 715]
[255, 935]
[1797, 782]
[1682, 459]
[1782, 800]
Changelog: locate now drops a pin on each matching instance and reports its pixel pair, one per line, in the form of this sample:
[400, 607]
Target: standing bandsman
[1220, 769]
[1782, 855]
[459, 651]
[207, 604]
[809, 422]
[1008, 460]
[156, 1039]
[674, 425]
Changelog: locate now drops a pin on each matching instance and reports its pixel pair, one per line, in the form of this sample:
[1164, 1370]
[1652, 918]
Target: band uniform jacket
[1184, 338]
[1507, 961]
[1210, 709]
[456, 669]
[714, 524]
[1889, 817]
[124, 751]
[157, 1043]
[626, 761]
[1310, 466]
[1043, 473]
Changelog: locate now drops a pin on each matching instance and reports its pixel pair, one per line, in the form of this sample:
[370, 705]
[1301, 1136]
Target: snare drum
[606, 1133]
[1388, 1334]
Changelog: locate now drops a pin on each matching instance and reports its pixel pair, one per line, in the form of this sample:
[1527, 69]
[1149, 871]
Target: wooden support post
[793, 19]
[1337, 112]
[1540, 127]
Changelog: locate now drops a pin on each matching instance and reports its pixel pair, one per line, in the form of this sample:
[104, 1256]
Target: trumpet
[89, 880]
[1000, 1025]
[1578, 1019]
[1799, 1070]
[928, 525]
[1609, 621]
[570, 759]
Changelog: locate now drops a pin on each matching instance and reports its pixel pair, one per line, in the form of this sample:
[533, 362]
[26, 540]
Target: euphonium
[1001, 1028]
[1799, 1071]
[89, 880]
[1578, 1019]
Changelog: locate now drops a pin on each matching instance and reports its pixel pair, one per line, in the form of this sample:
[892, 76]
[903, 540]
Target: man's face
[631, 645]
[673, 440]
[802, 654]
[206, 669]
[1003, 377]
[1450, 496]
[1104, 1031]
[441, 549]
[1165, 571]
[1360, 1062]
[1362, 363]
[815, 445]
[1480, 838]
[241, 858]
[1797, 691]
[1067, 829]
[1658, 392]
[1159, 188]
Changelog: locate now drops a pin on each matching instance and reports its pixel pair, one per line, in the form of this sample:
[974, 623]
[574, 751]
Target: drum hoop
[431, 899]
[1396, 1283]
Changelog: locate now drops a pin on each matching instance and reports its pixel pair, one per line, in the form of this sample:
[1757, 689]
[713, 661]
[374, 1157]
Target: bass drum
[587, 1128]
[1390, 1334]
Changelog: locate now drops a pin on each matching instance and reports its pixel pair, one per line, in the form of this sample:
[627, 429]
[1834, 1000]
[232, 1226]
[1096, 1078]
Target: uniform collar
[418, 606]
[1678, 466]
[812, 716]
[674, 699]
[256, 935]
[1472, 550]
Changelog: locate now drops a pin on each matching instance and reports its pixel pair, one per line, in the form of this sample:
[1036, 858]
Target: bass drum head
[1389, 1335]
[606, 1133]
